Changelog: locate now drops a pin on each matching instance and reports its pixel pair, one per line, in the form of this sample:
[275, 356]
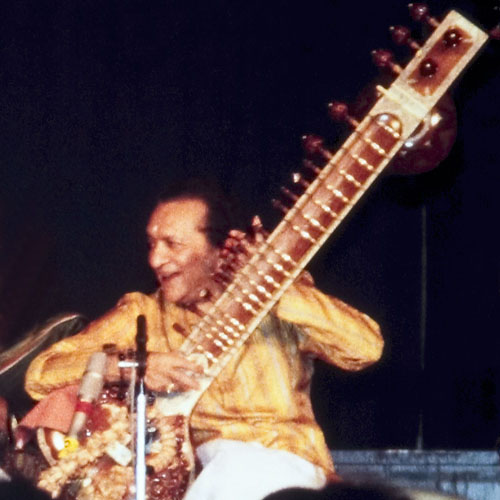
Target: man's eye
[174, 244]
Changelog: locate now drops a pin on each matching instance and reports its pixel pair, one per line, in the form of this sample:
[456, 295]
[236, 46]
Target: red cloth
[54, 411]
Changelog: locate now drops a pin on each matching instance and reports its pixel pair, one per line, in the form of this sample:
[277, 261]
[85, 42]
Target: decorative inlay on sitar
[278, 261]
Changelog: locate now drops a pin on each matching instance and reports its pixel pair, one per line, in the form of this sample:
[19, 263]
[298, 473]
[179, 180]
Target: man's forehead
[182, 213]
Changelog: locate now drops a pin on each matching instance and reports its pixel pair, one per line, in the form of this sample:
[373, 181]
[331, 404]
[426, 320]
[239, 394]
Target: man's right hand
[171, 371]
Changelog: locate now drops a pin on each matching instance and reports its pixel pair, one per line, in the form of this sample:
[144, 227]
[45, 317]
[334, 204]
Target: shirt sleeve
[64, 362]
[331, 329]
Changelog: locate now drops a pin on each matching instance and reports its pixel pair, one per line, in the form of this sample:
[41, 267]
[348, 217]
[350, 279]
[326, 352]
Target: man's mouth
[165, 278]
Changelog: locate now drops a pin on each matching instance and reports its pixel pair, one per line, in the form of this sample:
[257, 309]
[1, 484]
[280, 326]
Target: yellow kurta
[262, 394]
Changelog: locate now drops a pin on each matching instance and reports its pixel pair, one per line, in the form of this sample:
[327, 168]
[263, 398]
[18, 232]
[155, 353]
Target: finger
[179, 362]
[163, 363]
[177, 380]
[185, 381]
[177, 383]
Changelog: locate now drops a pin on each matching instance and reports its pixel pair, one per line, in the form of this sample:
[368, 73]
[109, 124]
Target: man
[253, 430]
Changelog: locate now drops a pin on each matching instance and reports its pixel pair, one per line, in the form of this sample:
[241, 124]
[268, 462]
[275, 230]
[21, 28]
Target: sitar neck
[327, 200]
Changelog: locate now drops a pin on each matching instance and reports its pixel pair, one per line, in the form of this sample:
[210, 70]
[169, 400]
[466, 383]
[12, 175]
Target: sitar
[277, 262]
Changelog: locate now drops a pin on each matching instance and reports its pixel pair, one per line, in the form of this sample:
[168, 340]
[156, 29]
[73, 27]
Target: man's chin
[171, 296]
[177, 297]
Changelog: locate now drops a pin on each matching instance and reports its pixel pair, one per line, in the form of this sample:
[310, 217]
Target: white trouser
[249, 471]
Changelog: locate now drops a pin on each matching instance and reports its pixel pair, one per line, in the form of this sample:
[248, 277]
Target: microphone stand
[140, 404]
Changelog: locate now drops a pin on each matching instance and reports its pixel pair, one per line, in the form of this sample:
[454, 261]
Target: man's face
[180, 254]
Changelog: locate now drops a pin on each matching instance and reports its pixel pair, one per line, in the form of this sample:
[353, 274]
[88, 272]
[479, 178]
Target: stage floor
[470, 474]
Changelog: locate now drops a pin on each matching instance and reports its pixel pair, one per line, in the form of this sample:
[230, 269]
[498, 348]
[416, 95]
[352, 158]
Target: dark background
[104, 102]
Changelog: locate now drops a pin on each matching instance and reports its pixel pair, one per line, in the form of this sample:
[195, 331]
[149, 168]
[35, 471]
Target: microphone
[140, 442]
[90, 388]
[140, 342]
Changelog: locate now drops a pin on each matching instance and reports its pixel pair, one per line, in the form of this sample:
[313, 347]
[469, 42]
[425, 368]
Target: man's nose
[159, 255]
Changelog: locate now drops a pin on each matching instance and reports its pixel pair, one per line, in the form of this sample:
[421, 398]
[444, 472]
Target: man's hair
[223, 214]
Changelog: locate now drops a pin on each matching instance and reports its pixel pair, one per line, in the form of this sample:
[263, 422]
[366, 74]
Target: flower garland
[103, 479]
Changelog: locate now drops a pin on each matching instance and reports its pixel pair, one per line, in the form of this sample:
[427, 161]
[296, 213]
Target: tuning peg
[339, 112]
[309, 165]
[225, 272]
[298, 180]
[401, 36]
[420, 12]
[219, 279]
[428, 68]
[231, 265]
[313, 146]
[452, 37]
[286, 192]
[495, 32]
[231, 249]
[385, 59]
[279, 206]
